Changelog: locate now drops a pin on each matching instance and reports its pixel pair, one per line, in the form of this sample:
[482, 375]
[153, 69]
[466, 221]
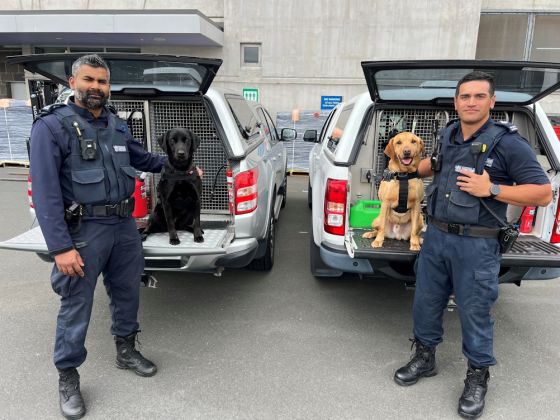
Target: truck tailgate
[528, 251]
[157, 244]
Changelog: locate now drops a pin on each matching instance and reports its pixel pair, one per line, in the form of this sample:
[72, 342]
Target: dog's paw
[377, 244]
[174, 240]
[198, 239]
[369, 235]
[415, 247]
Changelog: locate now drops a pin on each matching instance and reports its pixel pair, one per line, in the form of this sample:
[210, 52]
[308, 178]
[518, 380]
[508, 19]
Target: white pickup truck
[240, 151]
[347, 162]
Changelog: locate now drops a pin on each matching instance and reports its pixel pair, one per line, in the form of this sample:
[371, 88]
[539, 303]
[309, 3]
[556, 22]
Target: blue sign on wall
[329, 102]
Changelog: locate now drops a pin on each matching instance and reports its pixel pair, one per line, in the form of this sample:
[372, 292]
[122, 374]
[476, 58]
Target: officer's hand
[474, 184]
[199, 171]
[70, 263]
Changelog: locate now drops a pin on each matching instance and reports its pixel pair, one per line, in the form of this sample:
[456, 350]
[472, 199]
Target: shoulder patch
[510, 127]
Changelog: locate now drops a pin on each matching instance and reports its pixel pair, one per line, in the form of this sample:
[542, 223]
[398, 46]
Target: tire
[285, 193]
[266, 262]
[309, 196]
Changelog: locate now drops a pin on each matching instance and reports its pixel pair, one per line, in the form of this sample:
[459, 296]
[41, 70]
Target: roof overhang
[110, 28]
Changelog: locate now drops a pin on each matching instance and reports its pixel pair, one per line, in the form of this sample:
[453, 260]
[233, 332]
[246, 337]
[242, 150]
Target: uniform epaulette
[506, 124]
[49, 109]
[453, 121]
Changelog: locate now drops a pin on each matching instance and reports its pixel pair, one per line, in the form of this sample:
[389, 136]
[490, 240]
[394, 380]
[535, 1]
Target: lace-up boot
[471, 402]
[130, 358]
[71, 402]
[422, 363]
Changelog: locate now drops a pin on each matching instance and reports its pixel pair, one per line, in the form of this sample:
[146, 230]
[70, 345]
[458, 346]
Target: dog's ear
[422, 146]
[390, 149]
[162, 141]
[195, 142]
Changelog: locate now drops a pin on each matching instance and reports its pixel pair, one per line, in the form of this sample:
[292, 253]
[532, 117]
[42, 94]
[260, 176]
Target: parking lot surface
[278, 345]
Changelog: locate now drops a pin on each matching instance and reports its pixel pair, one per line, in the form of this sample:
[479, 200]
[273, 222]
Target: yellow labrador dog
[400, 216]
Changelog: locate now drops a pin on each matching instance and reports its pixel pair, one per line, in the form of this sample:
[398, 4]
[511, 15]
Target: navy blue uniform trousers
[469, 268]
[111, 249]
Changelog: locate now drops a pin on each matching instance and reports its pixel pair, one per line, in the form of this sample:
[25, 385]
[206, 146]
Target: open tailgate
[156, 245]
[528, 251]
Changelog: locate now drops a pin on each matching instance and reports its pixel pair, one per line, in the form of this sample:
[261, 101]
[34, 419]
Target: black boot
[130, 358]
[471, 402]
[423, 363]
[71, 402]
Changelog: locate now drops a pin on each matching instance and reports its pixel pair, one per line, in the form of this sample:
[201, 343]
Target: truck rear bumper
[339, 259]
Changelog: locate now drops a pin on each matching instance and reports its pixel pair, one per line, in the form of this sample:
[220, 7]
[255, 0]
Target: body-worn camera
[88, 148]
[506, 238]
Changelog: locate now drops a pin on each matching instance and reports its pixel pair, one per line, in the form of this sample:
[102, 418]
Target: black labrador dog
[179, 189]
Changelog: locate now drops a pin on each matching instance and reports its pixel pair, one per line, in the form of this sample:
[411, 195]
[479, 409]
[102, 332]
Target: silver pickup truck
[240, 147]
[347, 163]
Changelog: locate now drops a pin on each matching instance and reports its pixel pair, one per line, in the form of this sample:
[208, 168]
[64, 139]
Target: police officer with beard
[479, 159]
[83, 161]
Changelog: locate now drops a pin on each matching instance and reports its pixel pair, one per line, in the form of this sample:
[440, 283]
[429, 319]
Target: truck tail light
[555, 238]
[335, 206]
[246, 192]
[29, 191]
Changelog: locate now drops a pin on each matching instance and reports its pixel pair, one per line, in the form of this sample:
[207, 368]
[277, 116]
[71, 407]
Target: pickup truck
[347, 163]
[240, 149]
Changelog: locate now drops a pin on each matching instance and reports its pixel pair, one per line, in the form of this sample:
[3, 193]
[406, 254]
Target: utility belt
[466, 230]
[76, 211]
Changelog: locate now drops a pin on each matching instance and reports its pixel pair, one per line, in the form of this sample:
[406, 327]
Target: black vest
[445, 201]
[106, 179]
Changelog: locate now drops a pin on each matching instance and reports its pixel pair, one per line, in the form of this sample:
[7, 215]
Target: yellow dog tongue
[406, 161]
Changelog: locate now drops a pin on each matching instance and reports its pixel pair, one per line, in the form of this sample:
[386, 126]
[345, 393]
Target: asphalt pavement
[277, 345]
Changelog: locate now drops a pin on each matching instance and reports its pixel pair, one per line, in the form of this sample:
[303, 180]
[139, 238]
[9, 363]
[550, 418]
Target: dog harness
[403, 178]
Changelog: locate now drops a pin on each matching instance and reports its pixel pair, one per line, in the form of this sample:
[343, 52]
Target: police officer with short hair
[478, 159]
[82, 165]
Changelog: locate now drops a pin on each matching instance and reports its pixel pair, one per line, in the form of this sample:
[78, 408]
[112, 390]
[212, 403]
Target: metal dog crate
[421, 122]
[190, 114]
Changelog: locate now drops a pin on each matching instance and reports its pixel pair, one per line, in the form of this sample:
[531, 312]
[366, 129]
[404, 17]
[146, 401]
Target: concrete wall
[314, 47]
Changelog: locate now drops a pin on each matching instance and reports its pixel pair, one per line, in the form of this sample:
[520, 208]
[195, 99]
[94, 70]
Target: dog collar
[176, 174]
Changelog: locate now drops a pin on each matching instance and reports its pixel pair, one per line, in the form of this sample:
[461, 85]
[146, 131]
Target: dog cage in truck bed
[422, 122]
[190, 114]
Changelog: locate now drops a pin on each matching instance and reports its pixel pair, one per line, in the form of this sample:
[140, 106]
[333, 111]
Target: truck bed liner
[528, 251]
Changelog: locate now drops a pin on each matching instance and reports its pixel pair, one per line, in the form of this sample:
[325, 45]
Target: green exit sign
[251, 94]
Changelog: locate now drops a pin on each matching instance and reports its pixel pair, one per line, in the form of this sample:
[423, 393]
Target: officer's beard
[87, 98]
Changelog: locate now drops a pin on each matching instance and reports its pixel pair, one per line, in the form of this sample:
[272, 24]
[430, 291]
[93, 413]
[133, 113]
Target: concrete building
[292, 52]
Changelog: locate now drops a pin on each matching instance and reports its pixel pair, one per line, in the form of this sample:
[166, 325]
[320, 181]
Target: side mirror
[310, 135]
[288, 134]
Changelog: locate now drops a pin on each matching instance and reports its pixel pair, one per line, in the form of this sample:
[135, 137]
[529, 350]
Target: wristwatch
[494, 190]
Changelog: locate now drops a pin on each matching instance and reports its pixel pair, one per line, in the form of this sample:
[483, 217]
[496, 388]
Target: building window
[251, 54]
[546, 39]
[502, 36]
[519, 36]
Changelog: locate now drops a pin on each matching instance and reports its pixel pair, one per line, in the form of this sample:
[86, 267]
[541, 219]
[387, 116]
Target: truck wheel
[266, 262]
[285, 193]
[309, 196]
